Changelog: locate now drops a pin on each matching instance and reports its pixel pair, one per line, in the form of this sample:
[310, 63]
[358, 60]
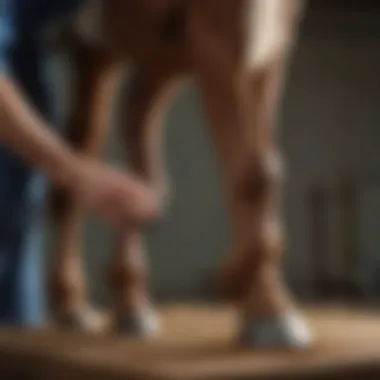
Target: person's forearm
[26, 134]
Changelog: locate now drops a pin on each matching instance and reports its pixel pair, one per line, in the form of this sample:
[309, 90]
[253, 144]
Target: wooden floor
[197, 344]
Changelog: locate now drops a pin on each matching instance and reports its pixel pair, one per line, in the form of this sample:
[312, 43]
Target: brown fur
[164, 40]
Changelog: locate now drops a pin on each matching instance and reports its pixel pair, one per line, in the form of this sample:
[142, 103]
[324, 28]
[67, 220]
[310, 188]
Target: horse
[236, 51]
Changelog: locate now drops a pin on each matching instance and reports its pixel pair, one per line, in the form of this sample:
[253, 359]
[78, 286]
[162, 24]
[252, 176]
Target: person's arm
[26, 134]
[116, 197]
[21, 129]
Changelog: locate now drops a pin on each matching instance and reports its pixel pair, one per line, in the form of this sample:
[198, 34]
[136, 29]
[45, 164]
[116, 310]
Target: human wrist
[65, 171]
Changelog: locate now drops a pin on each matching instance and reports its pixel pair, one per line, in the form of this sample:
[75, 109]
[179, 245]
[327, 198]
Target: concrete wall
[329, 120]
[330, 123]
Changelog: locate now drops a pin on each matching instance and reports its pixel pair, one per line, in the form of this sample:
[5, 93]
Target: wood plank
[197, 344]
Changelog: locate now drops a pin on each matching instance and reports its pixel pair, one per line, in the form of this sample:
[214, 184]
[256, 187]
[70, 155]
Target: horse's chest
[156, 29]
[141, 29]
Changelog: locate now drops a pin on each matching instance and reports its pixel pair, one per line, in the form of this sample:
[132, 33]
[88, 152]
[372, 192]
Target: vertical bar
[347, 233]
[318, 237]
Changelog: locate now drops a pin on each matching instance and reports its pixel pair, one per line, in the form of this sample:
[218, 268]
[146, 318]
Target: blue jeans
[22, 189]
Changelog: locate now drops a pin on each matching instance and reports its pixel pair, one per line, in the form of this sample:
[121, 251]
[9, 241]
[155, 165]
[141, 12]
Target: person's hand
[118, 198]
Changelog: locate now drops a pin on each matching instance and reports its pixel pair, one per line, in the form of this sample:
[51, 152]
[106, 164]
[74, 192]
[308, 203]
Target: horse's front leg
[92, 92]
[240, 101]
[144, 103]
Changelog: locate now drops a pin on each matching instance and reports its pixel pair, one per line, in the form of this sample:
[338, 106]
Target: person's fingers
[143, 201]
[123, 212]
[121, 200]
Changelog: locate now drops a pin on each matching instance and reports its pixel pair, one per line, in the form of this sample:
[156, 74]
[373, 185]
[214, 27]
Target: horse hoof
[87, 320]
[288, 331]
[144, 324]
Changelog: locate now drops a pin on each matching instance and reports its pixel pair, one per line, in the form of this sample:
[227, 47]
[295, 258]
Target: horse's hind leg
[240, 101]
[94, 76]
[144, 103]
[253, 271]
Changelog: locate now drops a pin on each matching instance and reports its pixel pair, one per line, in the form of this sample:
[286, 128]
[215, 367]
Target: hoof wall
[282, 332]
[84, 320]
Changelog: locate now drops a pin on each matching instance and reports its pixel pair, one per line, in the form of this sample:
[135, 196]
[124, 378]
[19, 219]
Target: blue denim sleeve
[6, 32]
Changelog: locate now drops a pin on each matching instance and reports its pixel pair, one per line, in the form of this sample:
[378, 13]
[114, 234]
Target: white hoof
[87, 320]
[285, 331]
[143, 324]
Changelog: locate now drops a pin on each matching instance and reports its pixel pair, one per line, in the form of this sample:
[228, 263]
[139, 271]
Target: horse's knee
[256, 192]
[259, 176]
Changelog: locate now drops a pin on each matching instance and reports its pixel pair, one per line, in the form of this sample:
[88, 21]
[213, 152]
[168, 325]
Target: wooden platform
[197, 344]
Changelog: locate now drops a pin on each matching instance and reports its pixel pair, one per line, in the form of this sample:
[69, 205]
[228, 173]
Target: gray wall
[329, 120]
